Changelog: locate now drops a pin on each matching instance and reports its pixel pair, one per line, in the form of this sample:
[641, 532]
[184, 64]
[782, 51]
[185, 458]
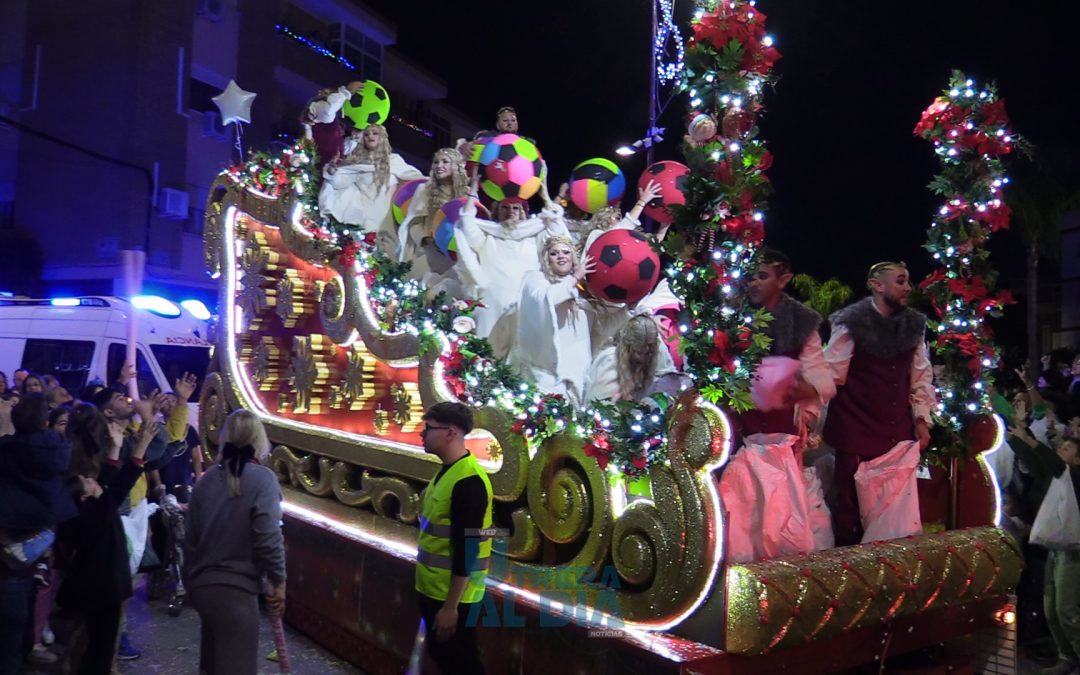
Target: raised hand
[184, 387]
[147, 432]
[651, 191]
[586, 266]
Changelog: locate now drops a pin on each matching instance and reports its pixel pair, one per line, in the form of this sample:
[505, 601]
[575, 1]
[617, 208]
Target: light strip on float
[64, 302]
[999, 441]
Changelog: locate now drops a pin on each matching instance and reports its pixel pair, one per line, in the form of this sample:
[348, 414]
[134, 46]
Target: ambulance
[80, 340]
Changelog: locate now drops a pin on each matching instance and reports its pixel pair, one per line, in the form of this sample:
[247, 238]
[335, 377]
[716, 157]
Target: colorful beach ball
[512, 167]
[403, 197]
[671, 176]
[370, 104]
[445, 220]
[596, 183]
[472, 159]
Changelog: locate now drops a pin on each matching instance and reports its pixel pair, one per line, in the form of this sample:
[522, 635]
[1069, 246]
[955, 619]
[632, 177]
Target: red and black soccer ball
[672, 177]
[627, 268]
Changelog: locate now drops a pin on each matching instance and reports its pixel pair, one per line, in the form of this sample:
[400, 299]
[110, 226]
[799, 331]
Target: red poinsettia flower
[599, 450]
[745, 336]
[932, 278]
[517, 427]
[931, 117]
[970, 291]
[369, 238]
[994, 113]
[723, 172]
[348, 253]
[765, 163]
[640, 461]
[720, 355]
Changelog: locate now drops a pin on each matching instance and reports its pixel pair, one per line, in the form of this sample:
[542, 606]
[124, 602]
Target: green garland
[716, 234]
[970, 132]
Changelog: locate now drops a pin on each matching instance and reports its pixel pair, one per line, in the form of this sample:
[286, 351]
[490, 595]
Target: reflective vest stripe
[440, 530]
[434, 529]
[443, 562]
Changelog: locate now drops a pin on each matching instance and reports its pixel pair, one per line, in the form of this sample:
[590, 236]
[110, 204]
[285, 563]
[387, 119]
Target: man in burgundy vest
[884, 385]
[794, 333]
[322, 121]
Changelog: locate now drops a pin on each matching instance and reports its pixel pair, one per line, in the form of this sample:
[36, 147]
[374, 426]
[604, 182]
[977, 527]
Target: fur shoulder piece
[792, 324]
[881, 336]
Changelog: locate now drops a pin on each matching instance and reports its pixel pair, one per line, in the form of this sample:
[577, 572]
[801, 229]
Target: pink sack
[764, 494]
[773, 379]
[820, 517]
[889, 494]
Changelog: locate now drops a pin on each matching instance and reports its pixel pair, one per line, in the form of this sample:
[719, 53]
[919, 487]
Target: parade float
[613, 554]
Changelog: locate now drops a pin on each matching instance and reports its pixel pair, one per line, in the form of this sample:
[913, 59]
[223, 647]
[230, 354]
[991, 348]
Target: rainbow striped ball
[445, 220]
[512, 167]
[596, 183]
[403, 197]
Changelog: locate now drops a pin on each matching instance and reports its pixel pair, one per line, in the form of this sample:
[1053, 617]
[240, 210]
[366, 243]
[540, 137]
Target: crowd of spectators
[78, 479]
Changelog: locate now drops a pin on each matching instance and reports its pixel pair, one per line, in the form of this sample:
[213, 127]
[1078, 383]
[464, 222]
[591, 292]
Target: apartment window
[362, 51]
[441, 128]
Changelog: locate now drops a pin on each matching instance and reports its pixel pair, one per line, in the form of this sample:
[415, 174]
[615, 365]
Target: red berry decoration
[672, 177]
[627, 268]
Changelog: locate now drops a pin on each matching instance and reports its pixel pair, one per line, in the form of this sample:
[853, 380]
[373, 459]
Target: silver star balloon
[234, 104]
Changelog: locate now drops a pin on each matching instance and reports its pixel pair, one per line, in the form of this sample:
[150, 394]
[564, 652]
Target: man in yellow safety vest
[455, 541]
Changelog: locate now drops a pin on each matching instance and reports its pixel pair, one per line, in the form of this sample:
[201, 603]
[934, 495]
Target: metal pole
[652, 88]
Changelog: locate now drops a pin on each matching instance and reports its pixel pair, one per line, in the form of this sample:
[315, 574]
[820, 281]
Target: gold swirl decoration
[568, 499]
[335, 313]
[310, 472]
[790, 601]
[213, 409]
[353, 312]
[666, 550]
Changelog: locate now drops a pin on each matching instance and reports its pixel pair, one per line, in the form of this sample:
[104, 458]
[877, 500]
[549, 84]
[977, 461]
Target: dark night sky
[850, 178]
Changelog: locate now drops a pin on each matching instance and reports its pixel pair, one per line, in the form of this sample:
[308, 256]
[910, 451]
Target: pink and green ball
[512, 167]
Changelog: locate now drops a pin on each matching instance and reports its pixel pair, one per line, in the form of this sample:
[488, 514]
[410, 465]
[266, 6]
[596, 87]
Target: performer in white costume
[358, 188]
[416, 243]
[553, 346]
[493, 258]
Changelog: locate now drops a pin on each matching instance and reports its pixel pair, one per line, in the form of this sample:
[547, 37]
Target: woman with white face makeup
[416, 243]
[553, 346]
[494, 256]
[358, 188]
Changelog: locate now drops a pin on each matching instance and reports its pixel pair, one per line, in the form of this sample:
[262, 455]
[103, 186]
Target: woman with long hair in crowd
[234, 542]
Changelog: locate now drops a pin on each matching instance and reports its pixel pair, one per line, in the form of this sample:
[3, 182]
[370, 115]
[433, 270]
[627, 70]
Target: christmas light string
[668, 69]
